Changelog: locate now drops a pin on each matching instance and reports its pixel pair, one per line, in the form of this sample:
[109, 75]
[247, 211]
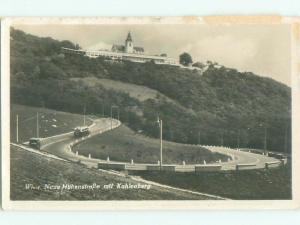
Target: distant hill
[220, 105]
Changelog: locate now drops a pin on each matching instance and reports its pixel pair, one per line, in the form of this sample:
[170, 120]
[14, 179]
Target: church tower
[129, 44]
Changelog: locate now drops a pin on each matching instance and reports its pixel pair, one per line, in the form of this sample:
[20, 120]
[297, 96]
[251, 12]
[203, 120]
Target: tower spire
[129, 44]
[129, 38]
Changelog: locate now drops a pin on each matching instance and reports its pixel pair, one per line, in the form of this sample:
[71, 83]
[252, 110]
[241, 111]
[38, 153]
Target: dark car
[35, 143]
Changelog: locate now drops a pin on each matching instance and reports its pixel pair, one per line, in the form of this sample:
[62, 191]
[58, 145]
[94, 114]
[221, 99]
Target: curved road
[60, 146]
[243, 158]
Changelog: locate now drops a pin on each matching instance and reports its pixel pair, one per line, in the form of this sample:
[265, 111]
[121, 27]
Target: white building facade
[125, 52]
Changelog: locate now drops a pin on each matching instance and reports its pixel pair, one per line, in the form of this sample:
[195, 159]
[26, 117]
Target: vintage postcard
[150, 113]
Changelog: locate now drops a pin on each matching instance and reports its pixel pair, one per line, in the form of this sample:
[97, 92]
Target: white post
[265, 141]
[238, 140]
[111, 117]
[161, 157]
[17, 132]
[107, 159]
[89, 156]
[131, 161]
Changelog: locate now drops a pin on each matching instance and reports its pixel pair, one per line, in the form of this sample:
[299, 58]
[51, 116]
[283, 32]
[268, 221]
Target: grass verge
[123, 144]
[240, 185]
[29, 168]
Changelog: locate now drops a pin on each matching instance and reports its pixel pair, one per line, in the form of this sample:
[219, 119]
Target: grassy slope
[51, 122]
[29, 168]
[139, 92]
[245, 185]
[123, 144]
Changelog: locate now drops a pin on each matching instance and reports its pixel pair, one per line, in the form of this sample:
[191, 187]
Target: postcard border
[150, 205]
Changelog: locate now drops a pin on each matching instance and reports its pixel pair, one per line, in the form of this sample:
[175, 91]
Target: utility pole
[17, 126]
[37, 125]
[238, 139]
[199, 137]
[111, 117]
[222, 138]
[84, 109]
[265, 141]
[111, 114]
[161, 157]
[171, 135]
[102, 109]
[161, 145]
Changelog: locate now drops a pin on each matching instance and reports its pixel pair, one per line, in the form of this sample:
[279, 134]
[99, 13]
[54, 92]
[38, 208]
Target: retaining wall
[112, 166]
[272, 164]
[153, 167]
[168, 168]
[244, 166]
[185, 168]
[135, 167]
[206, 168]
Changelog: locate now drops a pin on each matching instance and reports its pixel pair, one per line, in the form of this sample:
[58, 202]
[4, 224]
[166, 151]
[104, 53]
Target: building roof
[129, 38]
[118, 48]
[139, 49]
[121, 48]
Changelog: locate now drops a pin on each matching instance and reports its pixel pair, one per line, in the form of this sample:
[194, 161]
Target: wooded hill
[221, 105]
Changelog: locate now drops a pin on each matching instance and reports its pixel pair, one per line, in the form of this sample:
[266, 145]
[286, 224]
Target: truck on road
[81, 131]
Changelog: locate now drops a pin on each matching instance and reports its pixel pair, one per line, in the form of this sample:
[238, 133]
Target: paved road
[60, 147]
[242, 158]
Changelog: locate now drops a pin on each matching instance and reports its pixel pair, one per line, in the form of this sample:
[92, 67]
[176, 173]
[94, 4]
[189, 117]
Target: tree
[199, 65]
[185, 59]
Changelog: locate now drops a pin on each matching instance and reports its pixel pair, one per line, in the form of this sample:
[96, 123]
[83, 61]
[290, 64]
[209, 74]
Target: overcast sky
[262, 49]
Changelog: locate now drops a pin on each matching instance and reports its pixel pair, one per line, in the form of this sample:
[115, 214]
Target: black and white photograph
[149, 112]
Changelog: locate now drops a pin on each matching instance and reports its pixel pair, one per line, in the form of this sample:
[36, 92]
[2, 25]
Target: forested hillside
[218, 106]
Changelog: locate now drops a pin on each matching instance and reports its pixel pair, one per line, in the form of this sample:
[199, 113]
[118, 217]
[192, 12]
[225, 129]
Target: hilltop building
[127, 52]
[128, 47]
